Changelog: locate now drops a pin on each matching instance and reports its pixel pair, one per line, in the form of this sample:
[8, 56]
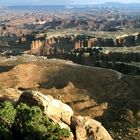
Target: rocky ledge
[82, 128]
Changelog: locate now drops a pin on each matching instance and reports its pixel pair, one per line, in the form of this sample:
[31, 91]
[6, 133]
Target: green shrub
[27, 123]
[7, 117]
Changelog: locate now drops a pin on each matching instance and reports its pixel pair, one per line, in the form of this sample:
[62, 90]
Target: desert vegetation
[27, 123]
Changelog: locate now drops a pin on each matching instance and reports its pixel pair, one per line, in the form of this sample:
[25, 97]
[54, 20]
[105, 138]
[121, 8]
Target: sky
[45, 2]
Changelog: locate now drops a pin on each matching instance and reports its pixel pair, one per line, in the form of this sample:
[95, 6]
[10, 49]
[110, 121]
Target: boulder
[84, 128]
[89, 129]
[54, 109]
[10, 94]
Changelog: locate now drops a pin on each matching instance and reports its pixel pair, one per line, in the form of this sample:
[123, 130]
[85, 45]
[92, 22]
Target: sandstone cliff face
[43, 48]
[66, 43]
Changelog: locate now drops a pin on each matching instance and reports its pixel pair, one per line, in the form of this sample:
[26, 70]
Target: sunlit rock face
[89, 129]
[54, 109]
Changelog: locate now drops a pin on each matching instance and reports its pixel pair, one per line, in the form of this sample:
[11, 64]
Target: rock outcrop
[85, 127]
[54, 109]
[10, 94]
[89, 129]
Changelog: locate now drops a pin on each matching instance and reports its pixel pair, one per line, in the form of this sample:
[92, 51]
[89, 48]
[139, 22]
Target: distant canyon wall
[61, 44]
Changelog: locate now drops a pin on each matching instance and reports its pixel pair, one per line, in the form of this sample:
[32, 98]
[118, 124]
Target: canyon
[81, 60]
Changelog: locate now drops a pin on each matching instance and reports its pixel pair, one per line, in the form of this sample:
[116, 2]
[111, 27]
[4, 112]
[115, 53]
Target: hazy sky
[41, 2]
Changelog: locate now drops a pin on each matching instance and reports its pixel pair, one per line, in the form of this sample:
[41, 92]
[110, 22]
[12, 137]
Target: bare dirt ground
[106, 95]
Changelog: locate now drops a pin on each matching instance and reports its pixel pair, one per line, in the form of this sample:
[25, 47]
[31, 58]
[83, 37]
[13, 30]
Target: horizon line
[73, 4]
